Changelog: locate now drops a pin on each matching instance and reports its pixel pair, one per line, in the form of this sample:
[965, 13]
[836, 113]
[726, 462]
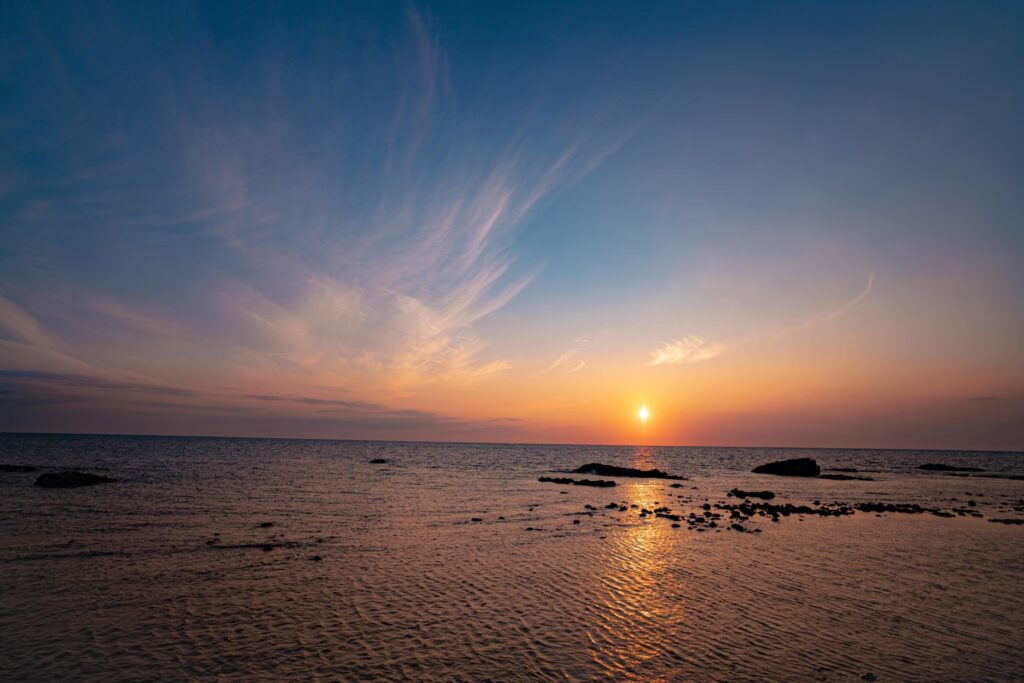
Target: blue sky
[423, 207]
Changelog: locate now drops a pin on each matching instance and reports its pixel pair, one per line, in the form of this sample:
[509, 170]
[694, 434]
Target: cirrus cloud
[689, 349]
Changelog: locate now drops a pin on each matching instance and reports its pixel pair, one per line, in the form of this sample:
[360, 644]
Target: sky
[772, 224]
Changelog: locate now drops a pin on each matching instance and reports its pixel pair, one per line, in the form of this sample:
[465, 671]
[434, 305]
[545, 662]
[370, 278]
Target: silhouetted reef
[566, 481]
[613, 471]
[940, 467]
[795, 467]
[68, 480]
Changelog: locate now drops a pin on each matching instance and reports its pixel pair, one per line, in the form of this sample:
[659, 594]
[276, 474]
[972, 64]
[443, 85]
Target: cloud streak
[689, 349]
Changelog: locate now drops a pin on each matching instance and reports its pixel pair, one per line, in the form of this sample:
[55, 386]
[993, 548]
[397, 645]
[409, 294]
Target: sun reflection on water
[642, 594]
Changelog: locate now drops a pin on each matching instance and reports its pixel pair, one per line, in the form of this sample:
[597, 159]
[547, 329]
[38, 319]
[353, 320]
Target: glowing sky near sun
[768, 223]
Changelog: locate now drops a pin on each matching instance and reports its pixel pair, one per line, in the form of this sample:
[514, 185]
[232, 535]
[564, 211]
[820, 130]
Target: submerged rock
[613, 471]
[843, 477]
[565, 481]
[795, 467]
[67, 480]
[766, 495]
[379, 461]
[939, 467]
[18, 468]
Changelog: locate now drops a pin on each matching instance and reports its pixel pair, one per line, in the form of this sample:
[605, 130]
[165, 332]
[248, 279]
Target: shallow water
[137, 580]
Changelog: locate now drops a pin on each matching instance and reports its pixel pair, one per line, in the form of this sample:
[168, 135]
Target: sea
[233, 559]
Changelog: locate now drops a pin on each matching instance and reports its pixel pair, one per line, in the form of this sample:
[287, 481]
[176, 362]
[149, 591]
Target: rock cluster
[67, 480]
[613, 471]
[566, 481]
[795, 467]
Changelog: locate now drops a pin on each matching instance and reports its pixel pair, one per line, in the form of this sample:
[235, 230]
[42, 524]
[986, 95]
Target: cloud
[87, 382]
[689, 349]
[567, 358]
[845, 308]
[25, 394]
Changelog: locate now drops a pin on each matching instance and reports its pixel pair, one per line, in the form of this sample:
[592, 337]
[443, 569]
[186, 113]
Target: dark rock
[316, 558]
[613, 471]
[1008, 521]
[939, 467]
[565, 481]
[843, 477]
[379, 461]
[266, 525]
[67, 480]
[796, 467]
[869, 677]
[476, 519]
[575, 521]
[766, 495]
[18, 468]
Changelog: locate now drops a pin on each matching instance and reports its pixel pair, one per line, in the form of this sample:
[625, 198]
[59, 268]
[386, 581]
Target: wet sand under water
[164, 576]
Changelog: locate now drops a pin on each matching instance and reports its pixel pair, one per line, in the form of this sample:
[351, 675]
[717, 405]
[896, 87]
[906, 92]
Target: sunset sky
[770, 223]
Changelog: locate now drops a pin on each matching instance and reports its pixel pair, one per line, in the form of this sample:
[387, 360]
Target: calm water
[138, 580]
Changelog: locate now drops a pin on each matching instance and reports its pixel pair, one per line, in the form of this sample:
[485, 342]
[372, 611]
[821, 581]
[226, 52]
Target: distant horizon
[514, 443]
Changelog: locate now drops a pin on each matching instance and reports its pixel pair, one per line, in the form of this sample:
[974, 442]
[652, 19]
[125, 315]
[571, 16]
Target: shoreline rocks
[566, 481]
[940, 467]
[765, 495]
[68, 480]
[613, 471]
[843, 477]
[794, 467]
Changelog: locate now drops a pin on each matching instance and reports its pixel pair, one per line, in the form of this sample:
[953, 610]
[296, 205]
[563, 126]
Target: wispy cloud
[846, 307]
[355, 252]
[569, 359]
[689, 349]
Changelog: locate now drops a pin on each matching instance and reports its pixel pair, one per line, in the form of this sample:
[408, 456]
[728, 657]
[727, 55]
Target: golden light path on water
[641, 605]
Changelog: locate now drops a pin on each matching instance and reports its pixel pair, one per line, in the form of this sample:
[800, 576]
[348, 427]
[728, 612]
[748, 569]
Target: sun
[643, 414]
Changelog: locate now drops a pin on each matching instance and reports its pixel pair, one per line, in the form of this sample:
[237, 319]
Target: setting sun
[643, 413]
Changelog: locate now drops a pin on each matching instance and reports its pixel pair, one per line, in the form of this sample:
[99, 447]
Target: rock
[316, 558]
[575, 521]
[843, 477]
[266, 525]
[379, 461]
[564, 481]
[796, 467]
[939, 467]
[18, 468]
[613, 471]
[766, 495]
[869, 677]
[476, 519]
[1008, 521]
[67, 480]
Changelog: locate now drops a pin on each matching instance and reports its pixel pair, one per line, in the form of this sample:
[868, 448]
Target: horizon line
[505, 443]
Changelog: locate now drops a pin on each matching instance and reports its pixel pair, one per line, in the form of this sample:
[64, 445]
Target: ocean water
[164, 576]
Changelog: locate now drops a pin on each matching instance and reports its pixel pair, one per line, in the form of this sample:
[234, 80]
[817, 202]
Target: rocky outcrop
[939, 467]
[566, 481]
[613, 471]
[68, 480]
[843, 477]
[796, 467]
[765, 495]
